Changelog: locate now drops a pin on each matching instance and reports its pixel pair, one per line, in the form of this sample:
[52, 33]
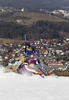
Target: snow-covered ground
[22, 87]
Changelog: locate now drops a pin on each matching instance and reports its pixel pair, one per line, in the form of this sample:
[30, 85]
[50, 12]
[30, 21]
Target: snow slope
[22, 87]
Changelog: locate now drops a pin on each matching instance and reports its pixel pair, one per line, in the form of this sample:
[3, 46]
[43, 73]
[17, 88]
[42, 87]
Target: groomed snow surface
[23, 87]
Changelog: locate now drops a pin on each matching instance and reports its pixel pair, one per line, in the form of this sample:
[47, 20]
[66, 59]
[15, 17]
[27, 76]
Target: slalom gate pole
[25, 44]
[37, 58]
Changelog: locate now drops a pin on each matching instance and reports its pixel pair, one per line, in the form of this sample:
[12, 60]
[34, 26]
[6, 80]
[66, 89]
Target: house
[58, 51]
[31, 55]
[22, 9]
[55, 12]
[53, 62]
[19, 20]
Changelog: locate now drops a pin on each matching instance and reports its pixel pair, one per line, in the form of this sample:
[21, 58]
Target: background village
[53, 54]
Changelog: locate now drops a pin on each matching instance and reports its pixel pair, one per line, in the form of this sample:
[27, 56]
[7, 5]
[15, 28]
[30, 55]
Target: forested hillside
[42, 29]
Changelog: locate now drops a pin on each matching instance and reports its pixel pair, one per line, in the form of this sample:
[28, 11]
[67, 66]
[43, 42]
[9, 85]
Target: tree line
[41, 29]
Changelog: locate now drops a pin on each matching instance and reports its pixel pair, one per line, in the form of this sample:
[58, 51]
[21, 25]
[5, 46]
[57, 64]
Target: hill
[35, 24]
[29, 18]
[41, 29]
